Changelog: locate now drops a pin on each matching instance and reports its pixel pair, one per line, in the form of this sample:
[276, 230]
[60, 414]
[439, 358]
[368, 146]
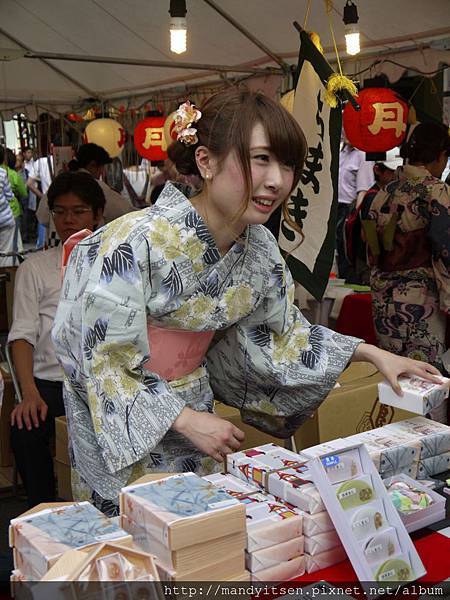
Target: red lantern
[149, 139]
[380, 124]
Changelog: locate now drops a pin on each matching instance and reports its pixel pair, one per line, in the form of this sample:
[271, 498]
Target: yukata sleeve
[439, 232]
[274, 366]
[131, 408]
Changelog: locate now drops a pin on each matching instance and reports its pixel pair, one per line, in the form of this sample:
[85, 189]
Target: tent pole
[248, 35]
[150, 63]
[50, 65]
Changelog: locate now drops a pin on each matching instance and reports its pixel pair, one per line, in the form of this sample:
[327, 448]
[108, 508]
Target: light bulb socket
[177, 8]
[350, 13]
[178, 23]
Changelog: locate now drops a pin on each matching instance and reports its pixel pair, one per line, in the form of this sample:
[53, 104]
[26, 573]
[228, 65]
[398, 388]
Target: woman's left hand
[392, 366]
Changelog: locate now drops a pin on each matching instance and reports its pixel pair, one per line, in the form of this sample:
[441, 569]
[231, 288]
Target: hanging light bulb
[351, 28]
[178, 26]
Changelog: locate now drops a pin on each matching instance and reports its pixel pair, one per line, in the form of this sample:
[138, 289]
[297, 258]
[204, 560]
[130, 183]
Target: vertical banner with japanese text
[313, 204]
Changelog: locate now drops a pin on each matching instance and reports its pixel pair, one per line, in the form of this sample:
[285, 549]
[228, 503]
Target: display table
[433, 549]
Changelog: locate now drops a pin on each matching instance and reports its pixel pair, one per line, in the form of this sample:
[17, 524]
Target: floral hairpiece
[185, 117]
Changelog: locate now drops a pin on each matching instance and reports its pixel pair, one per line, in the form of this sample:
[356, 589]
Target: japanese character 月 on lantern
[380, 124]
[106, 133]
[149, 138]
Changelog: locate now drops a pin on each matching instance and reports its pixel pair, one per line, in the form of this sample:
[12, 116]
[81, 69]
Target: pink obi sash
[176, 352]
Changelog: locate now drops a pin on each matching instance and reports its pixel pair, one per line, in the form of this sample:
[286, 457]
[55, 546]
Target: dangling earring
[208, 176]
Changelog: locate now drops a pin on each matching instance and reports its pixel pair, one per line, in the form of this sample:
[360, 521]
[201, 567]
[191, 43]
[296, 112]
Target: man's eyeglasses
[78, 211]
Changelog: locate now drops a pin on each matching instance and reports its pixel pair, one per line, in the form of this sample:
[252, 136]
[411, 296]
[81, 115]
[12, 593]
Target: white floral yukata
[162, 265]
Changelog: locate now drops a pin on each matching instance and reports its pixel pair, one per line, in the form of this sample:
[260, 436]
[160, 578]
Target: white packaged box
[434, 437]
[271, 556]
[384, 556]
[325, 559]
[321, 542]
[283, 571]
[419, 395]
[433, 465]
[318, 523]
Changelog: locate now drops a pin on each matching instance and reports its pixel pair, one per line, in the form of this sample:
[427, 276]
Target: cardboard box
[63, 477]
[62, 441]
[6, 408]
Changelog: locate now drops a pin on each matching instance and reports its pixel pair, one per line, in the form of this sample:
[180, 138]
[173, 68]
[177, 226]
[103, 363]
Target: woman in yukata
[163, 310]
[408, 231]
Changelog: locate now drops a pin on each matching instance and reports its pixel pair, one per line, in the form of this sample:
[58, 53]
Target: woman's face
[271, 184]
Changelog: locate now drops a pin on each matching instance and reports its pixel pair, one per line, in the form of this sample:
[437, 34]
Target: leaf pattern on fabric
[278, 278]
[260, 335]
[189, 464]
[107, 270]
[172, 285]
[192, 219]
[123, 263]
[155, 458]
[100, 327]
[310, 358]
[153, 384]
[108, 407]
[211, 286]
[211, 256]
[93, 252]
[89, 343]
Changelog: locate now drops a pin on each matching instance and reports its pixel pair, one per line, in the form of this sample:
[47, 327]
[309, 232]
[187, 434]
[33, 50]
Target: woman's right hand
[30, 411]
[210, 434]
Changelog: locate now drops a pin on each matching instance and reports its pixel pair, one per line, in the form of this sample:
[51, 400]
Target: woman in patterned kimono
[408, 231]
[144, 297]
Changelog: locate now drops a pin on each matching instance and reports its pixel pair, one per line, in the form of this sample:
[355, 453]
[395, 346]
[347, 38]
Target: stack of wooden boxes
[195, 530]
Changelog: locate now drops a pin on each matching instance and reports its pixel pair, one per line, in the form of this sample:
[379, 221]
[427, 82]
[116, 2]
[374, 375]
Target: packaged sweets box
[42, 536]
[369, 527]
[280, 472]
[434, 437]
[104, 562]
[273, 555]
[182, 510]
[419, 395]
[268, 522]
[186, 559]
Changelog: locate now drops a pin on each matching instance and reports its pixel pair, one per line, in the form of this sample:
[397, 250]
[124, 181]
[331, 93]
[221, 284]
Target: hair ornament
[184, 118]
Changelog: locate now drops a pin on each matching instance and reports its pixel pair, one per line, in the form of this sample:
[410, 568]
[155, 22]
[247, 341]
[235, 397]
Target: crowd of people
[111, 344]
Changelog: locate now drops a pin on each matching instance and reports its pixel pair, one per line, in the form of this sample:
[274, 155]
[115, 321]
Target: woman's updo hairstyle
[227, 123]
[426, 143]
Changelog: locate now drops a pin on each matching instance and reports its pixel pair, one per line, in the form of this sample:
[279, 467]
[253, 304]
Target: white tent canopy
[138, 30]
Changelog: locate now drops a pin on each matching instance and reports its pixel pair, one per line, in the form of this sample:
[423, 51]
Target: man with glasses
[76, 202]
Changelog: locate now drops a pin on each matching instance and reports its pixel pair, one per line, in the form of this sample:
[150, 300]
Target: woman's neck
[224, 234]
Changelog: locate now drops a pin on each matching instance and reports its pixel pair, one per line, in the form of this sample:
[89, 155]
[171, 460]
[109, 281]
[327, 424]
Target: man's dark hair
[27, 148]
[2, 155]
[10, 158]
[82, 185]
[88, 153]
